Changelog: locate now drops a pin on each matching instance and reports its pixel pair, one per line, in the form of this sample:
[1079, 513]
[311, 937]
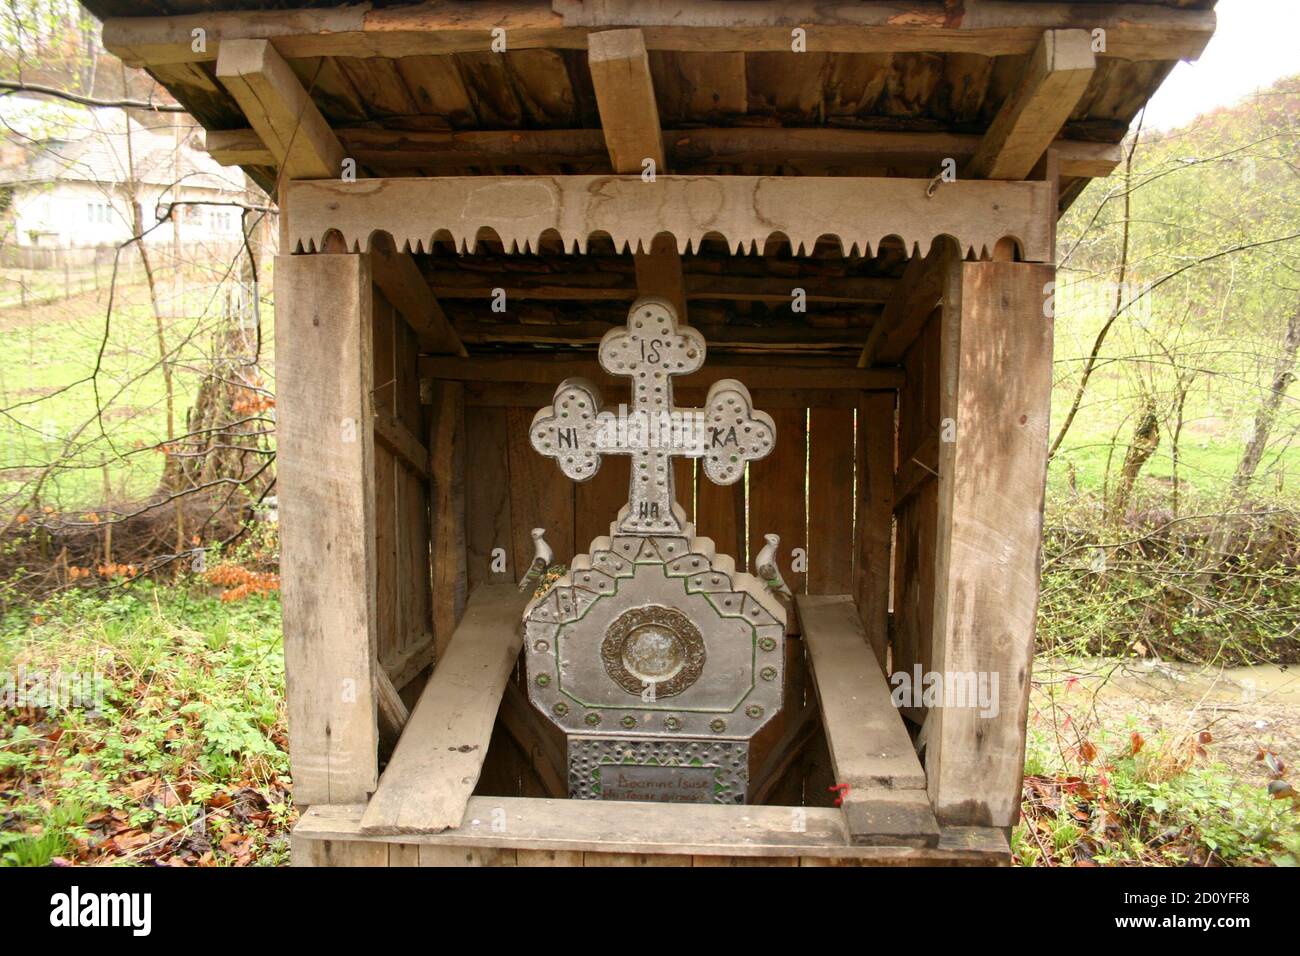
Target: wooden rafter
[749, 146]
[918, 294]
[629, 116]
[783, 336]
[407, 291]
[993, 28]
[610, 286]
[304, 147]
[279, 109]
[1032, 116]
[620, 74]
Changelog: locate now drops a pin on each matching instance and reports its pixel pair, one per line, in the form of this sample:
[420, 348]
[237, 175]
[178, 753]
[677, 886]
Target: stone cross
[576, 430]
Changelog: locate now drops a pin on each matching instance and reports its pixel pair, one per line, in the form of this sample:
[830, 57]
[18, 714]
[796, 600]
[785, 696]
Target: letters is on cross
[651, 349]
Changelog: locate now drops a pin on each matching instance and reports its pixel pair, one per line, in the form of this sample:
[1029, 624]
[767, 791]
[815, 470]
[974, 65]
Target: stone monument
[656, 657]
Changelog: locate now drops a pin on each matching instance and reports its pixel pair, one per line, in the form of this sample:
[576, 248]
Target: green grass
[183, 761]
[47, 355]
[1233, 367]
[1148, 800]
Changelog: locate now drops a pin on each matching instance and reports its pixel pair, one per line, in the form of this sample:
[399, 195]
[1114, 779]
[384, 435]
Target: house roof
[112, 149]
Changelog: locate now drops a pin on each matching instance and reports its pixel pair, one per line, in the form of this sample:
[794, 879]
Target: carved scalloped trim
[744, 211]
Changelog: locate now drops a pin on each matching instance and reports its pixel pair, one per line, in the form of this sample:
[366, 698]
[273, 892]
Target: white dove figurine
[766, 567]
[542, 557]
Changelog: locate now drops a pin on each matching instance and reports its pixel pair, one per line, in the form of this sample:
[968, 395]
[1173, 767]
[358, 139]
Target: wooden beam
[871, 751]
[805, 373]
[428, 783]
[625, 95]
[1032, 116]
[758, 146]
[870, 747]
[610, 286]
[405, 288]
[917, 468]
[787, 336]
[917, 296]
[890, 818]
[447, 510]
[279, 109]
[503, 395]
[659, 273]
[738, 146]
[993, 28]
[304, 147]
[745, 210]
[393, 713]
[597, 832]
[325, 473]
[397, 438]
[237, 147]
[995, 383]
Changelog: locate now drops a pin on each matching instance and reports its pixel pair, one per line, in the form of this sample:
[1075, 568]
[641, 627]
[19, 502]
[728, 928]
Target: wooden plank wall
[403, 607]
[510, 489]
[917, 514]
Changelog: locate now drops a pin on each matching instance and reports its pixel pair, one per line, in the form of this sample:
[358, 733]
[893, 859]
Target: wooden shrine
[854, 205]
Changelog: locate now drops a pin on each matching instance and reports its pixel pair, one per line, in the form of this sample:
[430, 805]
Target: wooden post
[995, 390]
[324, 380]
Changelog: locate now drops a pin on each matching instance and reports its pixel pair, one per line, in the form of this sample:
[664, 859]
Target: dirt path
[1245, 709]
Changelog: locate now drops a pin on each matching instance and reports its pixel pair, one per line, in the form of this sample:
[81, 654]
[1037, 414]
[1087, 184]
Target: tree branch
[15, 86]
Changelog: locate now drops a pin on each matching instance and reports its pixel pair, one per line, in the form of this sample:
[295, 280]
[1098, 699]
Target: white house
[75, 191]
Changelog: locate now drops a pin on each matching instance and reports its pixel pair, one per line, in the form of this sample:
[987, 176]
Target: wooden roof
[886, 88]
[415, 89]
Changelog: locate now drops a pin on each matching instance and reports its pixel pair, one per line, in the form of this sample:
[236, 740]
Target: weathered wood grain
[792, 373]
[487, 496]
[451, 580]
[428, 782]
[1134, 32]
[324, 378]
[278, 108]
[744, 210]
[777, 502]
[870, 747]
[560, 832]
[830, 501]
[874, 524]
[447, 150]
[1055, 77]
[997, 365]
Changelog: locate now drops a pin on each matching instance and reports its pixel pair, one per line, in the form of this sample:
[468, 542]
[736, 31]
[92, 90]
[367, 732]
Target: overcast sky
[1255, 43]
